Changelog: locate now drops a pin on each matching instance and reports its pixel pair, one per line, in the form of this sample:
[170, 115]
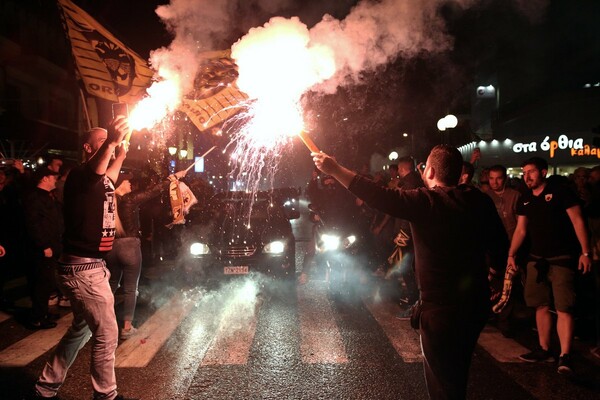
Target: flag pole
[202, 156]
[85, 110]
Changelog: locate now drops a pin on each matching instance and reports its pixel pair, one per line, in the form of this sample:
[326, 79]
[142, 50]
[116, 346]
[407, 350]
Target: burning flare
[277, 64]
[163, 98]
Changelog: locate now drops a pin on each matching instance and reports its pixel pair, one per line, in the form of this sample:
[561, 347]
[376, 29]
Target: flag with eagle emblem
[108, 68]
[215, 97]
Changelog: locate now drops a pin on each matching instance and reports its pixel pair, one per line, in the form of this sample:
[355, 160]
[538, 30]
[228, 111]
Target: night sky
[529, 48]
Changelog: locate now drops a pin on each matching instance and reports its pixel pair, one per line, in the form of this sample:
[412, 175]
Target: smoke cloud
[372, 34]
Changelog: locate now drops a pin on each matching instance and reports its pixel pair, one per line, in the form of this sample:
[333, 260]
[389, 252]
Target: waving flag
[215, 97]
[108, 68]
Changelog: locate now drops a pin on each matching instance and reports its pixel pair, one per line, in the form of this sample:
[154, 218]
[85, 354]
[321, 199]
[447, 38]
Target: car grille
[238, 251]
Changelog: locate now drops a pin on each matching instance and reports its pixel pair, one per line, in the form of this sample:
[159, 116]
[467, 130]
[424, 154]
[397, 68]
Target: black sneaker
[564, 365]
[42, 324]
[537, 355]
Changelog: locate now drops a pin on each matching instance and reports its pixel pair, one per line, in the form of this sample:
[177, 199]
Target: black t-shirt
[454, 230]
[548, 224]
[89, 205]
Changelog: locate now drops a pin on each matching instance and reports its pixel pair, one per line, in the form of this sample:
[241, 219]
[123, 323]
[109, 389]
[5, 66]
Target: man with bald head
[90, 224]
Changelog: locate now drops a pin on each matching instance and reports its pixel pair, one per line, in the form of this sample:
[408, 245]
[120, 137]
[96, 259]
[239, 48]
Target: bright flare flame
[163, 98]
[277, 64]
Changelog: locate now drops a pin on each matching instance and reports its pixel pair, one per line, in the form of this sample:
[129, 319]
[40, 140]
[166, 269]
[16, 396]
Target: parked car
[238, 233]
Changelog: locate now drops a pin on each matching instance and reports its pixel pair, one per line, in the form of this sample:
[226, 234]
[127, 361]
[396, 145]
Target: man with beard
[454, 229]
[551, 217]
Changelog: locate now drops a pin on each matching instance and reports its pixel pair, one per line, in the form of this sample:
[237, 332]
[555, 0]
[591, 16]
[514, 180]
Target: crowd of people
[79, 237]
[444, 234]
[455, 235]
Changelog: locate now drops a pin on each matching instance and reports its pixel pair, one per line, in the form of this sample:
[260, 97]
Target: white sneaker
[52, 300]
[64, 302]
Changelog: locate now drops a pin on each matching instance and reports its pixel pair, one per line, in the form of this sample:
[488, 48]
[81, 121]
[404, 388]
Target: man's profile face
[54, 165]
[533, 177]
[426, 172]
[497, 180]
[95, 141]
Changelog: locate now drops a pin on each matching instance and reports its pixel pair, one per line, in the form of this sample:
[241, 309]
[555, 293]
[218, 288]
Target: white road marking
[320, 341]
[501, 348]
[4, 316]
[236, 329]
[404, 339]
[138, 350]
[33, 346]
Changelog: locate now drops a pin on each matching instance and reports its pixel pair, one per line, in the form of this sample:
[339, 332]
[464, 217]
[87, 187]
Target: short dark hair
[447, 163]
[499, 168]
[394, 166]
[537, 162]
[40, 173]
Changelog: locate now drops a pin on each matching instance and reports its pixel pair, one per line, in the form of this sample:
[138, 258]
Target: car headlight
[330, 242]
[349, 241]
[276, 247]
[198, 249]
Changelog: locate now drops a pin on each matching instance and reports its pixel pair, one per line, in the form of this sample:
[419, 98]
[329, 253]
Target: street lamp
[172, 150]
[448, 122]
[183, 153]
[393, 156]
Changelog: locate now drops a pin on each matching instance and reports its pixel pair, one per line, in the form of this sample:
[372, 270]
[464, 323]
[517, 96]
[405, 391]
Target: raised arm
[329, 166]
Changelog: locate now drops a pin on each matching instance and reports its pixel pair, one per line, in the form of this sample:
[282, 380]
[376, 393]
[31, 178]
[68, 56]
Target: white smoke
[374, 33]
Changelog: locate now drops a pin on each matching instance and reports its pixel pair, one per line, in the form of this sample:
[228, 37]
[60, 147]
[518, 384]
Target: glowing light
[330, 242]
[197, 249]
[183, 153]
[276, 247]
[172, 150]
[163, 98]
[450, 121]
[393, 156]
[441, 124]
[277, 64]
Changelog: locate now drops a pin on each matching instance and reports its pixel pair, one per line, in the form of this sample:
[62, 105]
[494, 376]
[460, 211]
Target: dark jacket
[454, 229]
[43, 221]
[129, 207]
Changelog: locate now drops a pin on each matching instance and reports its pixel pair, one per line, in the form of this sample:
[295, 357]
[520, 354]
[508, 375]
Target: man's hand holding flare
[308, 142]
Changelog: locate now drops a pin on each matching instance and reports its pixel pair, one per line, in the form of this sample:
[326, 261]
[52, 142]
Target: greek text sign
[576, 147]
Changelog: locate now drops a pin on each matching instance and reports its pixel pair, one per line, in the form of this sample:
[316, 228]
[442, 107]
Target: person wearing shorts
[550, 215]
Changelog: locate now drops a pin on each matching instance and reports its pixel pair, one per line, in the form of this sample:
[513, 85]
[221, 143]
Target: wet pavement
[254, 338]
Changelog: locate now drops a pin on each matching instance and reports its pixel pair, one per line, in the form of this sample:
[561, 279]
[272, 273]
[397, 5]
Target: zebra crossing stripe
[502, 349]
[138, 350]
[320, 338]
[33, 346]
[404, 339]
[233, 340]
[4, 316]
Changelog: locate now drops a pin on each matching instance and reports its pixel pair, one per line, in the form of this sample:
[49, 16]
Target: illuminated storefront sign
[576, 147]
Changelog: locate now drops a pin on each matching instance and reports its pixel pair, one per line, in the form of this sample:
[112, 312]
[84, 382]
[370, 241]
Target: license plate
[241, 270]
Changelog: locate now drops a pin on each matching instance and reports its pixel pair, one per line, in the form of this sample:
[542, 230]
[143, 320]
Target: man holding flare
[454, 229]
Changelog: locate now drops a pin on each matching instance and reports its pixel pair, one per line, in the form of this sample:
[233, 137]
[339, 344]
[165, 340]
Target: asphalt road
[257, 339]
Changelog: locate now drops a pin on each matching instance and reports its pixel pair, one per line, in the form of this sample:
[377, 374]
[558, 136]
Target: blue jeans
[92, 303]
[125, 264]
